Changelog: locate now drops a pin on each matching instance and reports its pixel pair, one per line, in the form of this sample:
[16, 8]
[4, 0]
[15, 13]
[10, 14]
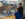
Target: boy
[21, 9]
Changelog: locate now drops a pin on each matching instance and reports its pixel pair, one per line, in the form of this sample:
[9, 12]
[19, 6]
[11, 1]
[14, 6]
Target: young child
[21, 9]
[17, 14]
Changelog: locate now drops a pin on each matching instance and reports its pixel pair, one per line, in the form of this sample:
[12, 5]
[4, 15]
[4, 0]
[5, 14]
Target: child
[21, 9]
[17, 14]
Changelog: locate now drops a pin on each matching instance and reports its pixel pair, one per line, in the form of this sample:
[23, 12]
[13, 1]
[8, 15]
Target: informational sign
[1, 4]
[11, 2]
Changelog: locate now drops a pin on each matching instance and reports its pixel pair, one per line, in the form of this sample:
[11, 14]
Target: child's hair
[20, 3]
[16, 9]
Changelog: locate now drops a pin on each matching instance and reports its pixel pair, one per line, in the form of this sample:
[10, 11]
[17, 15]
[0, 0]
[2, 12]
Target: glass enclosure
[7, 8]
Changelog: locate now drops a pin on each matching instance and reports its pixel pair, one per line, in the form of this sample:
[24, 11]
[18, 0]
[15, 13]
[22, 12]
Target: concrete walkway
[8, 17]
